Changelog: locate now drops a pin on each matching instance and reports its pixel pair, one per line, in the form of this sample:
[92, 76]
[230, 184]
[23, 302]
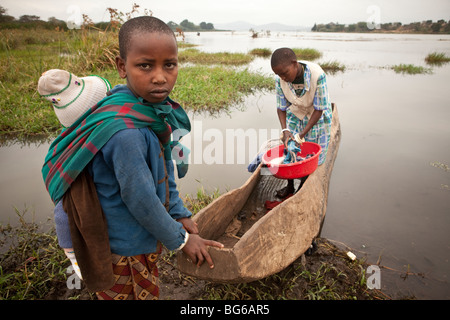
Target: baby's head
[148, 58]
[284, 64]
[70, 95]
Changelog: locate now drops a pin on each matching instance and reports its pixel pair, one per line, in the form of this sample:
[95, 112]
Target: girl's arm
[312, 121]
[286, 134]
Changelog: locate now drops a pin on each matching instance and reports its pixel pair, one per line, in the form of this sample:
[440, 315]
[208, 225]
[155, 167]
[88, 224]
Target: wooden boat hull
[266, 242]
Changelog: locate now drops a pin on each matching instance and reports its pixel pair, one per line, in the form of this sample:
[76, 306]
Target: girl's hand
[197, 250]
[286, 136]
[189, 225]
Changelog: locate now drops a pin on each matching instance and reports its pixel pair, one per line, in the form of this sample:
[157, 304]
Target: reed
[92, 50]
[437, 58]
[332, 67]
[261, 52]
[307, 53]
[410, 69]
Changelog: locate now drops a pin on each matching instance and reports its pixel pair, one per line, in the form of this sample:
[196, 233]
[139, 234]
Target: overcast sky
[290, 12]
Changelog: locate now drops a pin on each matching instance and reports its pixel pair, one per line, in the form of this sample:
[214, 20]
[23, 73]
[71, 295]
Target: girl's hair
[282, 56]
[138, 25]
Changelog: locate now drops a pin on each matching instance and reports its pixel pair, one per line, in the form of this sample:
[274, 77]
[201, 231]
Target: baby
[71, 97]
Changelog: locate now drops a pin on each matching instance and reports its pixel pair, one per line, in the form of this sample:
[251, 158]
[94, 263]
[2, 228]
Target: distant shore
[424, 27]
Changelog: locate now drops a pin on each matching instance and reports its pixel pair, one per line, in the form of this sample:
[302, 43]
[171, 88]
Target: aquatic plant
[307, 53]
[261, 52]
[410, 69]
[332, 67]
[436, 58]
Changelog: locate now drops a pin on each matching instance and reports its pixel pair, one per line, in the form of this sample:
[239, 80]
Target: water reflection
[22, 188]
[387, 200]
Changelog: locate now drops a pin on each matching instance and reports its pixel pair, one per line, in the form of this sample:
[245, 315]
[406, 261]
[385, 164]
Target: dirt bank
[327, 273]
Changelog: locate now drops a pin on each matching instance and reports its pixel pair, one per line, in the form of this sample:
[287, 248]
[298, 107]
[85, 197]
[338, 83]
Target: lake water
[389, 198]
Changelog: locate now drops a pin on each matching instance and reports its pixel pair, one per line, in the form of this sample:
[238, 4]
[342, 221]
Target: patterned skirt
[136, 278]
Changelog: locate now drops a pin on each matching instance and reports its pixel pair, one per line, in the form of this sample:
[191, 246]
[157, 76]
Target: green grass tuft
[410, 69]
[307, 53]
[437, 58]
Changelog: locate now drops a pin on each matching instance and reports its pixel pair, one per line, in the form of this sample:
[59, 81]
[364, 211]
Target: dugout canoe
[258, 242]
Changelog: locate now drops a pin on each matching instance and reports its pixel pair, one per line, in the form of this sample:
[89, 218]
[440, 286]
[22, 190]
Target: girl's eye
[171, 65]
[145, 66]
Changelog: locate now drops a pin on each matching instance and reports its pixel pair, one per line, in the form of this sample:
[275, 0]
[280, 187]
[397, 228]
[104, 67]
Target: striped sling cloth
[76, 146]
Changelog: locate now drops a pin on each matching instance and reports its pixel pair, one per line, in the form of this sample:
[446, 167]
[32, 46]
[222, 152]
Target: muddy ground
[343, 278]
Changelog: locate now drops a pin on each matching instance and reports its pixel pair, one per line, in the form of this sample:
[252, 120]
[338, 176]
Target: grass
[202, 199]
[26, 54]
[410, 69]
[332, 67]
[33, 263]
[223, 58]
[212, 88]
[261, 52]
[34, 268]
[331, 277]
[184, 45]
[437, 58]
[307, 53]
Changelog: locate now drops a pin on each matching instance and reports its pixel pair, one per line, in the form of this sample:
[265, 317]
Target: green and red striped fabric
[76, 146]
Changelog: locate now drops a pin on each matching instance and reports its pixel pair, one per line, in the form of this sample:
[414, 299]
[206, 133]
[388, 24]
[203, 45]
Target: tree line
[428, 26]
[186, 25]
[33, 21]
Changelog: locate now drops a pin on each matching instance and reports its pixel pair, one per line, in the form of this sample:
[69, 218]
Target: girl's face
[287, 71]
[151, 66]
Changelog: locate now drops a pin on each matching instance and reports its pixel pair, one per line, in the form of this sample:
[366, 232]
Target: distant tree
[4, 17]
[187, 25]
[435, 27]
[173, 25]
[206, 26]
[362, 26]
[28, 18]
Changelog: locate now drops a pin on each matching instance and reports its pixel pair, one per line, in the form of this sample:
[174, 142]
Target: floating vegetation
[440, 165]
[437, 58]
[307, 53]
[410, 69]
[332, 67]
[261, 52]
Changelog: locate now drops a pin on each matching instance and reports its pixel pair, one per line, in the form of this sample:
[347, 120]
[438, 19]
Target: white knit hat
[70, 95]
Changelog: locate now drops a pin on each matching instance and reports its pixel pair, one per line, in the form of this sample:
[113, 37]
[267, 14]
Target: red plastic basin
[293, 170]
